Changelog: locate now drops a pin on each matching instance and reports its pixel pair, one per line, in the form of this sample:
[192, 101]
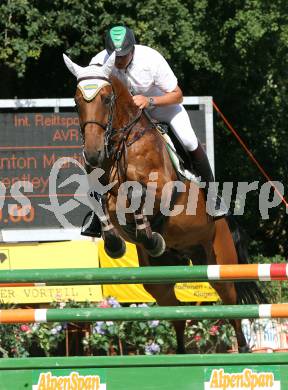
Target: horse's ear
[74, 68]
[107, 67]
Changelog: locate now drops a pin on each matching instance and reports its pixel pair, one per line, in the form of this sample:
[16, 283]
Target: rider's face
[123, 61]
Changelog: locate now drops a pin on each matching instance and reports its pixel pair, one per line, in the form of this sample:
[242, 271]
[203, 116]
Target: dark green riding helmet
[119, 39]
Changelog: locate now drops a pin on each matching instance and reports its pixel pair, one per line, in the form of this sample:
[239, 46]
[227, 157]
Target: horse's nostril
[93, 158]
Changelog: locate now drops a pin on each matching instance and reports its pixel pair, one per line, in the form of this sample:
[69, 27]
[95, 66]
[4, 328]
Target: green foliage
[105, 337]
[23, 340]
[149, 337]
[158, 337]
[209, 336]
[48, 336]
[130, 337]
[31, 27]
[15, 340]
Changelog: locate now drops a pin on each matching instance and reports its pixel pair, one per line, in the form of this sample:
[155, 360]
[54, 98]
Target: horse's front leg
[114, 245]
[153, 242]
[164, 294]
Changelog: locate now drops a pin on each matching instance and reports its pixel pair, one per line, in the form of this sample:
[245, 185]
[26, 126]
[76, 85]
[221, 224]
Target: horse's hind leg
[227, 291]
[164, 295]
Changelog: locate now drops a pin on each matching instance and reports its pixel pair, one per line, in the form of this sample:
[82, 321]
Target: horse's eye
[106, 99]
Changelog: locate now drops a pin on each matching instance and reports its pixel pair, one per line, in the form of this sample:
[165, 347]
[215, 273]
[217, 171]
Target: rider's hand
[141, 101]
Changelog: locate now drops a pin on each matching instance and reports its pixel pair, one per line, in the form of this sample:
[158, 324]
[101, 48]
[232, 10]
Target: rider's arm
[166, 81]
[173, 97]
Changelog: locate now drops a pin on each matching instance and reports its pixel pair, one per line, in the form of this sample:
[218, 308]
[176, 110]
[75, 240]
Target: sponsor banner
[49, 294]
[196, 292]
[82, 254]
[241, 378]
[68, 254]
[89, 379]
[185, 292]
[63, 254]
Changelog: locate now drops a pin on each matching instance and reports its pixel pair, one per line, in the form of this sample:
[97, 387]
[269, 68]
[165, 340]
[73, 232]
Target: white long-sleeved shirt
[148, 74]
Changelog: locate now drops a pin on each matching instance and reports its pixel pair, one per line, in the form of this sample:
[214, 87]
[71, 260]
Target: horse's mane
[121, 90]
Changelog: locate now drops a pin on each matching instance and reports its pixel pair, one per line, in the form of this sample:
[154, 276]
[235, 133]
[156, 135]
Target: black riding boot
[201, 167]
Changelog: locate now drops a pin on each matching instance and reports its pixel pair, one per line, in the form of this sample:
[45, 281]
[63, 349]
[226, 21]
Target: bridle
[108, 127]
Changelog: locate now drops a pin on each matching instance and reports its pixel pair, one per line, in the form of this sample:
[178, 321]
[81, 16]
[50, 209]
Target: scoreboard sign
[35, 145]
[30, 146]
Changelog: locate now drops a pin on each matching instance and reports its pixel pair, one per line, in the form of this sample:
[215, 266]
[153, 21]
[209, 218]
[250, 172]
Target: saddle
[177, 152]
[176, 142]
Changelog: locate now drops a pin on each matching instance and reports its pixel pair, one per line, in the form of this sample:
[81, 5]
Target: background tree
[234, 50]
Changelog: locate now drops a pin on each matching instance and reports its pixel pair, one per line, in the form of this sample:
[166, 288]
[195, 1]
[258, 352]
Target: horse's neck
[126, 110]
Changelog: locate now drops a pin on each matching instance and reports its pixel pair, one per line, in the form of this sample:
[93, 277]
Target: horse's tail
[247, 292]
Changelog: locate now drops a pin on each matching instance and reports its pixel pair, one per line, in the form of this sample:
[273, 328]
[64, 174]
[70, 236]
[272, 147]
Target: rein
[108, 127]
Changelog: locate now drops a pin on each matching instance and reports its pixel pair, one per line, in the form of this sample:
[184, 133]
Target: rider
[154, 86]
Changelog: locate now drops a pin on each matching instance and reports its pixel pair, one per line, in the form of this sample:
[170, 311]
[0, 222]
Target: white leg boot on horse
[97, 223]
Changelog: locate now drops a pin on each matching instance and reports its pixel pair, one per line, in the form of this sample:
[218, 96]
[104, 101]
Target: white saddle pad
[184, 172]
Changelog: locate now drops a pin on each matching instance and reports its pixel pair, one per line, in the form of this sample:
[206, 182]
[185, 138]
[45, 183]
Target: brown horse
[122, 140]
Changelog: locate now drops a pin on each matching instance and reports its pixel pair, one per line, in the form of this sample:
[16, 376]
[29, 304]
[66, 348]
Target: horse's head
[94, 100]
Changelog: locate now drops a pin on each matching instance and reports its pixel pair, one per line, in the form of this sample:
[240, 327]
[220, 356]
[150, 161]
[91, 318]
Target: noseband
[108, 127]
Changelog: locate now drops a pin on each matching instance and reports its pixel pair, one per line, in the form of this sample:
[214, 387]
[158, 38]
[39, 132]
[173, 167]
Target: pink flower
[104, 304]
[197, 338]
[24, 328]
[214, 330]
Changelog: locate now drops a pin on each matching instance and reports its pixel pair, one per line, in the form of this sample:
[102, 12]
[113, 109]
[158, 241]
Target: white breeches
[177, 117]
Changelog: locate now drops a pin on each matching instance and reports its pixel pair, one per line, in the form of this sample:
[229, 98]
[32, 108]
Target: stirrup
[218, 209]
[94, 229]
[217, 217]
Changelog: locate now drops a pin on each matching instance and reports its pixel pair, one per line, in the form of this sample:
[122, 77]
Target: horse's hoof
[244, 349]
[158, 247]
[116, 251]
